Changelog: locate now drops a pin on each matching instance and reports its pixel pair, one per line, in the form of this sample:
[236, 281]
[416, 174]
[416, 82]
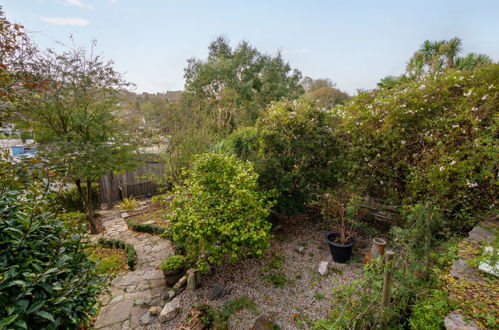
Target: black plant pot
[341, 252]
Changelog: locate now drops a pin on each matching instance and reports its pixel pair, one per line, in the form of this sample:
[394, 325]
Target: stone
[169, 295]
[300, 249]
[481, 234]
[323, 268]
[217, 292]
[148, 318]
[263, 323]
[170, 310]
[124, 215]
[191, 279]
[114, 313]
[487, 265]
[153, 275]
[154, 310]
[461, 270]
[454, 321]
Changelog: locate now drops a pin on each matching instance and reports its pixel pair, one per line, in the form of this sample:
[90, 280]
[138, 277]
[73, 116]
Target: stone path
[131, 294]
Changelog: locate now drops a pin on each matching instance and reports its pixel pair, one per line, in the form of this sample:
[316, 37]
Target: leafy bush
[174, 262]
[46, 278]
[128, 203]
[143, 227]
[218, 213]
[70, 200]
[242, 142]
[119, 244]
[298, 153]
[109, 261]
[434, 138]
[431, 312]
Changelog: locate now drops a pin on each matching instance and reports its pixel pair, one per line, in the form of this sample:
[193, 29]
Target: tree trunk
[86, 198]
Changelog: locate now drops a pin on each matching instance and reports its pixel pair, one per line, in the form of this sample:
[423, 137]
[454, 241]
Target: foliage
[219, 319]
[70, 199]
[243, 142]
[327, 97]
[416, 272]
[128, 203]
[433, 138]
[431, 311]
[218, 213]
[298, 154]
[143, 227]
[46, 278]
[119, 244]
[235, 85]
[74, 219]
[73, 120]
[340, 208]
[109, 261]
[174, 262]
[273, 273]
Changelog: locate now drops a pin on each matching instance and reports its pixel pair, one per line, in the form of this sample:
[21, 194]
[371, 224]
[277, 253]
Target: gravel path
[305, 296]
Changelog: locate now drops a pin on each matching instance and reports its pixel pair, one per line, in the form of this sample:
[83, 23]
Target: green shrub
[217, 213]
[242, 142]
[128, 203]
[298, 153]
[119, 244]
[144, 228]
[433, 139]
[430, 313]
[46, 278]
[175, 262]
[70, 200]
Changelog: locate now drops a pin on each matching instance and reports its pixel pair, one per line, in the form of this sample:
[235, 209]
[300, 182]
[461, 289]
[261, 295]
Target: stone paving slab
[126, 306]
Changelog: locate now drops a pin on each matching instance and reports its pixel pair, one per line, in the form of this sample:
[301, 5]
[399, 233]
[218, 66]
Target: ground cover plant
[109, 261]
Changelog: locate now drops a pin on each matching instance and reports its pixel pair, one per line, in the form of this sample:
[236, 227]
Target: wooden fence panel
[115, 186]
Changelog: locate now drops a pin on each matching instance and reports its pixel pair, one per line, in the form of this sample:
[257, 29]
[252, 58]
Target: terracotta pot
[378, 247]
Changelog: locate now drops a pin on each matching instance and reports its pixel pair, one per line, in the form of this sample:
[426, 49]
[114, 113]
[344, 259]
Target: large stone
[192, 275]
[114, 313]
[148, 317]
[454, 321]
[263, 323]
[154, 310]
[481, 234]
[217, 292]
[170, 310]
[323, 268]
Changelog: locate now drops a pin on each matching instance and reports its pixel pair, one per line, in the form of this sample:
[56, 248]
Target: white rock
[323, 268]
[124, 214]
[170, 310]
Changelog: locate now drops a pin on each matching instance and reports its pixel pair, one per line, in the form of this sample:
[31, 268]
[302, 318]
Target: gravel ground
[306, 294]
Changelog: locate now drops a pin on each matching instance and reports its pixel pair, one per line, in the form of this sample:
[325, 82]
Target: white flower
[455, 126]
[471, 184]
[441, 168]
[474, 109]
[484, 97]
[402, 141]
[453, 162]
[491, 86]
[381, 182]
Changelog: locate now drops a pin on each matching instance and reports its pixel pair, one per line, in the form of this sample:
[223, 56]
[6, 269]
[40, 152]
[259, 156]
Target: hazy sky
[354, 43]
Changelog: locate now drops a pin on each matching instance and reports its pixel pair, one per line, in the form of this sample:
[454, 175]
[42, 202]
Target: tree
[311, 85]
[16, 78]
[75, 123]
[235, 85]
[435, 57]
[327, 97]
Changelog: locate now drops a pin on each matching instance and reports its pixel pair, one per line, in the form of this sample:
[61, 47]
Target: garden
[285, 203]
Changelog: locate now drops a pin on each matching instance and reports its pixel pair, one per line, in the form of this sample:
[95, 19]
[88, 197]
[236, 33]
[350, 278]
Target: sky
[353, 43]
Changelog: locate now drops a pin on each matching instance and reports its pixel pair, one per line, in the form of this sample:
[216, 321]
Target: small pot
[341, 252]
[172, 276]
[378, 247]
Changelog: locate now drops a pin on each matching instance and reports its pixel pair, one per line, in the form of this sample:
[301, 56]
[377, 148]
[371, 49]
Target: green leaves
[218, 214]
[46, 279]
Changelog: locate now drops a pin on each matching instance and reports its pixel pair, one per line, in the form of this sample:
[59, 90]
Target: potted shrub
[173, 268]
[341, 210]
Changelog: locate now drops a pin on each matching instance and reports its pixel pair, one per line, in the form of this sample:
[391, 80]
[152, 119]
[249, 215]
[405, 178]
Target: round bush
[175, 262]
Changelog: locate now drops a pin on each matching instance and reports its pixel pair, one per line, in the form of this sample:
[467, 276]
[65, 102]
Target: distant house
[17, 148]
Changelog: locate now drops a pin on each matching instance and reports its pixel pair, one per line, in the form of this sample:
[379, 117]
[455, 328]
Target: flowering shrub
[298, 152]
[217, 213]
[431, 139]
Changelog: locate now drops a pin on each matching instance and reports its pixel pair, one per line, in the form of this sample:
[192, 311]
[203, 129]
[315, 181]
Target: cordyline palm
[450, 49]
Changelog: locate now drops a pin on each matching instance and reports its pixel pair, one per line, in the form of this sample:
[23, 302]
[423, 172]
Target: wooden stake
[387, 286]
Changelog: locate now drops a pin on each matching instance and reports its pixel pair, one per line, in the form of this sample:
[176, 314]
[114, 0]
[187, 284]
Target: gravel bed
[306, 294]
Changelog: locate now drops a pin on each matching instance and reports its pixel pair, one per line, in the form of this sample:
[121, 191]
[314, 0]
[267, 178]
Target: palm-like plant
[450, 49]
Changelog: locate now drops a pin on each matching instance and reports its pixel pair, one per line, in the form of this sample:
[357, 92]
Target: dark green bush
[46, 279]
[174, 262]
[298, 154]
[434, 138]
[144, 228]
[119, 244]
[70, 200]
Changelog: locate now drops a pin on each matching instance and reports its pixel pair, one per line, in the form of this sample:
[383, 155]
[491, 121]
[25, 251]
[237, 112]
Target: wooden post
[387, 286]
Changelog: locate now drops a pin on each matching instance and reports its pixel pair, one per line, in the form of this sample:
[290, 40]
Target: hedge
[144, 228]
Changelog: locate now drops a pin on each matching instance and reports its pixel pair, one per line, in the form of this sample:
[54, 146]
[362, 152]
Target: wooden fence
[114, 187]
